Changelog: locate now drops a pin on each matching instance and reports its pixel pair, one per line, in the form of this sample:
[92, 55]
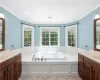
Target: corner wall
[12, 30]
[86, 31]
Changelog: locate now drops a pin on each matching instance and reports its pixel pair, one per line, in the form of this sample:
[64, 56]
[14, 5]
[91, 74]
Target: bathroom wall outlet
[12, 45]
[86, 46]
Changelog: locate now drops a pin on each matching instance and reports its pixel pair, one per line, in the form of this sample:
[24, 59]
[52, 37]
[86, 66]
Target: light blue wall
[86, 31]
[12, 30]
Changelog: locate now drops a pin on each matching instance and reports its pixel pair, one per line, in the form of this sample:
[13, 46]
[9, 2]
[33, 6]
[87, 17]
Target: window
[71, 35]
[27, 36]
[49, 36]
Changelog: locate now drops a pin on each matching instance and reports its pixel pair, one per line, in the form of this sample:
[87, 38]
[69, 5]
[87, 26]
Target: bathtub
[55, 64]
[50, 56]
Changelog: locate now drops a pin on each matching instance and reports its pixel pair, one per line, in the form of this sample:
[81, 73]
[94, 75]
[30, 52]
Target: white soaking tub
[50, 56]
[55, 64]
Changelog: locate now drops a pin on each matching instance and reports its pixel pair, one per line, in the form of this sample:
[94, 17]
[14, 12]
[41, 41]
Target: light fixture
[26, 13]
[97, 15]
[1, 14]
[49, 19]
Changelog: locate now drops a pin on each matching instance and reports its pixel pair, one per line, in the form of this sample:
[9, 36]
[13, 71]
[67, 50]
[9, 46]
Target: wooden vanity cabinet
[87, 68]
[11, 68]
[91, 68]
[80, 65]
[11, 71]
[18, 67]
[2, 74]
[7, 69]
[96, 73]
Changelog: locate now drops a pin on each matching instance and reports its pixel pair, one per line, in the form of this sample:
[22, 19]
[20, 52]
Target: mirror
[97, 34]
[2, 34]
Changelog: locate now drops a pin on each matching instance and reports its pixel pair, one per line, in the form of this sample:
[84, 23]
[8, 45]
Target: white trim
[57, 28]
[66, 35]
[32, 28]
[76, 35]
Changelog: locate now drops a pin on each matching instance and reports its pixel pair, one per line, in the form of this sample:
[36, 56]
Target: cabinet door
[80, 65]
[18, 68]
[96, 74]
[3, 75]
[11, 73]
[87, 71]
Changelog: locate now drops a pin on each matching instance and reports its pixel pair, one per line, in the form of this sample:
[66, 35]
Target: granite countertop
[5, 55]
[94, 55]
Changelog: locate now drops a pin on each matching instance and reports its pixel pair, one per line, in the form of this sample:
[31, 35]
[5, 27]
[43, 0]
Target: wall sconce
[97, 15]
[1, 13]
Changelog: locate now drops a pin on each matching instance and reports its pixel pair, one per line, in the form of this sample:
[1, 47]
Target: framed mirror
[97, 34]
[2, 34]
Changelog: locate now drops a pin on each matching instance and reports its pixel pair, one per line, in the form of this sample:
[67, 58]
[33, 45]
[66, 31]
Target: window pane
[49, 37]
[45, 38]
[53, 38]
[27, 38]
[71, 37]
[52, 43]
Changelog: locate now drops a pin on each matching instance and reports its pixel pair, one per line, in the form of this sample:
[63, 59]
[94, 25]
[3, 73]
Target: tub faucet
[42, 58]
[33, 57]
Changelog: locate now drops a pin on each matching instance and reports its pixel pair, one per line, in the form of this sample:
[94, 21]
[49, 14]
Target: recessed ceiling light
[26, 13]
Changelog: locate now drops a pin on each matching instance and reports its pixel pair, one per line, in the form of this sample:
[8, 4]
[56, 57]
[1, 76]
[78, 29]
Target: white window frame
[57, 29]
[66, 34]
[32, 41]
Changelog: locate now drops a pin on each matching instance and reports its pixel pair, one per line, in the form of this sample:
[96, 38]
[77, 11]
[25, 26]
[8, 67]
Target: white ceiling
[38, 11]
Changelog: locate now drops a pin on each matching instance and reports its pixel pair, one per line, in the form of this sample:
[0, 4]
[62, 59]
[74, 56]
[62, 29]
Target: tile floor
[51, 78]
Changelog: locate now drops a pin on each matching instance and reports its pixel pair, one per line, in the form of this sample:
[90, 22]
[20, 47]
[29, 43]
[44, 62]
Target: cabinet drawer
[96, 64]
[92, 62]
[7, 62]
[88, 60]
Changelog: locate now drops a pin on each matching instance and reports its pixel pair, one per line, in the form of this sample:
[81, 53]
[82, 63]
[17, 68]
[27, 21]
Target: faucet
[33, 57]
[42, 58]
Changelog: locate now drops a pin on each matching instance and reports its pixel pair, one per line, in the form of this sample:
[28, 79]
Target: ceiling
[60, 11]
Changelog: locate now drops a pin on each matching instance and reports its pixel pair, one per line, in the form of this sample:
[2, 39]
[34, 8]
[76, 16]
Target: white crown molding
[90, 12]
[14, 14]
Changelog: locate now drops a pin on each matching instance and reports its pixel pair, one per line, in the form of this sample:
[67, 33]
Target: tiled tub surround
[66, 66]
